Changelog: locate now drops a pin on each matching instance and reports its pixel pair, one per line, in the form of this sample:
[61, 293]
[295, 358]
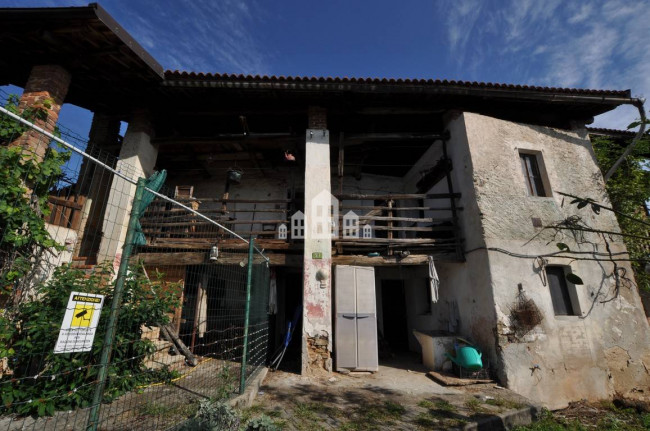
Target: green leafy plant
[262, 423]
[43, 382]
[629, 190]
[211, 416]
[25, 181]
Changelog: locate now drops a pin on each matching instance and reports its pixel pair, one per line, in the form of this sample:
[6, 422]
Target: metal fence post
[111, 325]
[249, 282]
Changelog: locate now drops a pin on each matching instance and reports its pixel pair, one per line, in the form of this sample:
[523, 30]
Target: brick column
[46, 88]
[317, 260]
[137, 159]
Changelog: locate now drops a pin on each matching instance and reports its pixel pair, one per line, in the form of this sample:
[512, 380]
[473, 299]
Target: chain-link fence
[121, 305]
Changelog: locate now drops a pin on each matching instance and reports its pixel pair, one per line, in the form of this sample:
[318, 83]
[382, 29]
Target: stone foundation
[319, 356]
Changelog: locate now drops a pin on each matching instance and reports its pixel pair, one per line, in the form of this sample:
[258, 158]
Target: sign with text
[79, 323]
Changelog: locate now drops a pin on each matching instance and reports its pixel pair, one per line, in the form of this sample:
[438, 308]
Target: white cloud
[204, 36]
[580, 15]
[585, 44]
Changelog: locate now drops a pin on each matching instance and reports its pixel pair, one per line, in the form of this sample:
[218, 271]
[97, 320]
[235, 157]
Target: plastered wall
[604, 349]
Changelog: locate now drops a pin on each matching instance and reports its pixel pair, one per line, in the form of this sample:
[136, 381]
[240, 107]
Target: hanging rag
[273, 295]
[434, 281]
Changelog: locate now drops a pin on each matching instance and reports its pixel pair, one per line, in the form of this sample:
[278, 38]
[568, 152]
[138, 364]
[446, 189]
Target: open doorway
[289, 311]
[394, 330]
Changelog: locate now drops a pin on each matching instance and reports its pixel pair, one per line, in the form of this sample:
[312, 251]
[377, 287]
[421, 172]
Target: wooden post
[389, 234]
[341, 161]
[452, 201]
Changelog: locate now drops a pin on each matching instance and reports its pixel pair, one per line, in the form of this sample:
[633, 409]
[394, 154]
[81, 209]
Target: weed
[262, 423]
[426, 421]
[445, 406]
[394, 410]
[475, 406]
[306, 411]
[506, 404]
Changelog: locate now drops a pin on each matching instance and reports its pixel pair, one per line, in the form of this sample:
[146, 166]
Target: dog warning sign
[79, 323]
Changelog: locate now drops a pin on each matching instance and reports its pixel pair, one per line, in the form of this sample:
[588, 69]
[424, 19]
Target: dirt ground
[392, 399]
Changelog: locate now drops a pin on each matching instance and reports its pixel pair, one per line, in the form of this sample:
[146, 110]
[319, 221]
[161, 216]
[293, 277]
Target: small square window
[532, 174]
[563, 293]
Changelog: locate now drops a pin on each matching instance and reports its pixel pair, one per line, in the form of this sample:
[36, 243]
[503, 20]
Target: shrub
[211, 416]
[262, 423]
[43, 382]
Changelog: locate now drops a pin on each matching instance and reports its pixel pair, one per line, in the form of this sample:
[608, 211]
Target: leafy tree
[629, 190]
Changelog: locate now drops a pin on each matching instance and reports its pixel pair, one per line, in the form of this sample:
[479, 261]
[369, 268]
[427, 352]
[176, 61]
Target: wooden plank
[65, 202]
[205, 244]
[389, 241]
[223, 222]
[434, 175]
[190, 217]
[413, 229]
[405, 219]
[198, 258]
[398, 196]
[176, 211]
[75, 222]
[382, 208]
[361, 260]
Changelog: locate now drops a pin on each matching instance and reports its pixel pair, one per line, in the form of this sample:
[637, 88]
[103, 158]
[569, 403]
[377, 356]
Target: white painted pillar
[317, 279]
[137, 159]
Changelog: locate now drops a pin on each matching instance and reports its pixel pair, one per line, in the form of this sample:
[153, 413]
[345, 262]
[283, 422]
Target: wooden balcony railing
[66, 211]
[167, 226]
[417, 223]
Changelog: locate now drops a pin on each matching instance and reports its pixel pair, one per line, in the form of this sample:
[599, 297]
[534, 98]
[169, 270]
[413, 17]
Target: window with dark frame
[559, 288]
[532, 174]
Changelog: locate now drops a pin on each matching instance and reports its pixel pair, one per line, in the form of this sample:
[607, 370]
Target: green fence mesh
[184, 330]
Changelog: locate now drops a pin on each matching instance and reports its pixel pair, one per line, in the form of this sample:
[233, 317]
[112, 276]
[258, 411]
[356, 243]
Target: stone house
[467, 175]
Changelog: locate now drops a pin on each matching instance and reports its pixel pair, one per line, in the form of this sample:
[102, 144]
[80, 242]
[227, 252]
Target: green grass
[614, 419]
[475, 406]
[427, 421]
[371, 417]
[505, 404]
[440, 405]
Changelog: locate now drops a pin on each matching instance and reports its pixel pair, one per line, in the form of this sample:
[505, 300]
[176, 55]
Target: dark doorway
[395, 325]
[289, 300]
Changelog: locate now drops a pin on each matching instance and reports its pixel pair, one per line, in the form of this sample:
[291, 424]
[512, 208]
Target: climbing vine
[25, 181]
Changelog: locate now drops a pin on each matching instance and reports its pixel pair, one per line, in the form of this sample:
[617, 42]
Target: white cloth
[273, 296]
[434, 281]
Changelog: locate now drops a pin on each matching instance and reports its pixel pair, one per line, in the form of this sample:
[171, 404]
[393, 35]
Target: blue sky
[586, 44]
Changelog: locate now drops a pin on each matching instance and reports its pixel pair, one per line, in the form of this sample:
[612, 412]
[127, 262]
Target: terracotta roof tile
[176, 74]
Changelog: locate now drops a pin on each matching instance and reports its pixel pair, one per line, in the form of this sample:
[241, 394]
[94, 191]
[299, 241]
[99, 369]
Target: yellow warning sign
[83, 315]
[80, 323]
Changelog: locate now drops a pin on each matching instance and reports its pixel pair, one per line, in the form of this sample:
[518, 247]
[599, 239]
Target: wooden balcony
[403, 225]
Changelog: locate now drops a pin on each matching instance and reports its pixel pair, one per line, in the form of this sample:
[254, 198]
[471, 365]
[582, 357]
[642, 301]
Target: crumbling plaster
[566, 357]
